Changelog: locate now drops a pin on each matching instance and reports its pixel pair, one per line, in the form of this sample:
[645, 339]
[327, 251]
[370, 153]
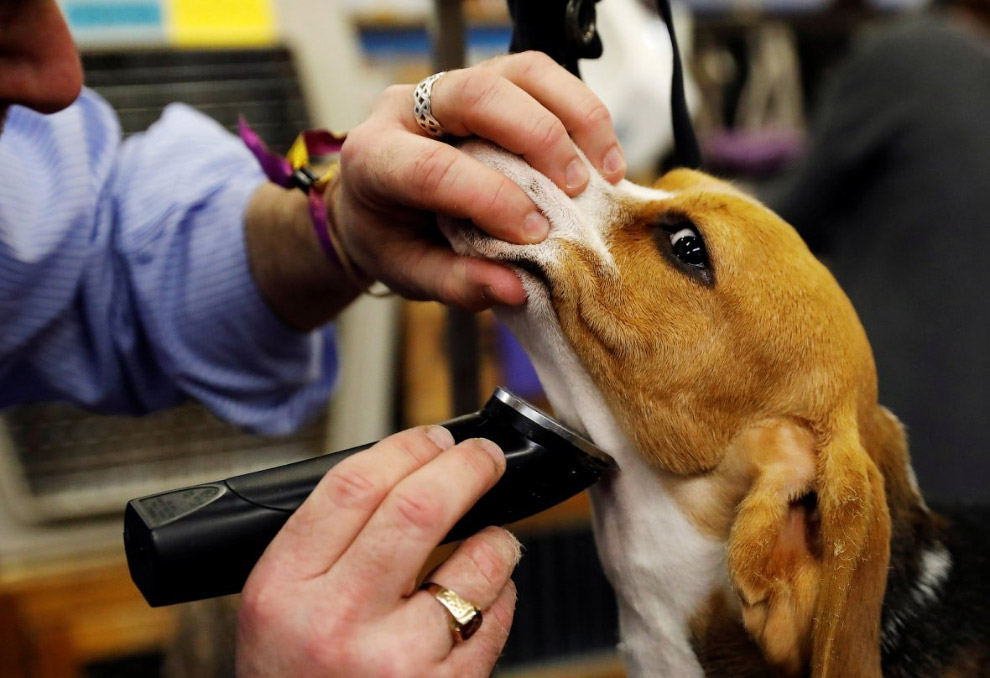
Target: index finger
[480, 102]
[586, 118]
[338, 508]
[426, 174]
[382, 564]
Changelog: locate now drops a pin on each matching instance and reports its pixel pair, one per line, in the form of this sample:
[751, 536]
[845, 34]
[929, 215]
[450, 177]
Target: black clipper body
[202, 541]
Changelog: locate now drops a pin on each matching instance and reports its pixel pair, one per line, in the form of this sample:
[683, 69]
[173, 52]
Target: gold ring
[464, 617]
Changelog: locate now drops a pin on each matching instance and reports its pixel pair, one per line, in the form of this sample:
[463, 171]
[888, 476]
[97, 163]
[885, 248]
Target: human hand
[335, 592]
[394, 176]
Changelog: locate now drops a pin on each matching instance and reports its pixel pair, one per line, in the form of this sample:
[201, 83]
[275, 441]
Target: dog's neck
[662, 569]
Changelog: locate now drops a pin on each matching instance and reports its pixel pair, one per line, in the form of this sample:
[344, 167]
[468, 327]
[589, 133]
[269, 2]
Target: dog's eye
[688, 246]
[680, 241]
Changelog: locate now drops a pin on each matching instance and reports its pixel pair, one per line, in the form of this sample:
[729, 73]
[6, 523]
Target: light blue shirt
[124, 280]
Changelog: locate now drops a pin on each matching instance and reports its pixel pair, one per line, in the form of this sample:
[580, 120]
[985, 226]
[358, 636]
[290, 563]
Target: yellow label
[220, 22]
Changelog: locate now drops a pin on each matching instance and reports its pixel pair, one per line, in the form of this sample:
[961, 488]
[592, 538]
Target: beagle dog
[765, 520]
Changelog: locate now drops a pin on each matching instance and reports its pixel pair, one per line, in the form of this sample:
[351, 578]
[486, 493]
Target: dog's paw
[777, 612]
[774, 571]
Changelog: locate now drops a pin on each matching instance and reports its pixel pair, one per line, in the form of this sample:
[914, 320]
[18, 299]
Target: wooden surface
[425, 368]
[596, 666]
[56, 618]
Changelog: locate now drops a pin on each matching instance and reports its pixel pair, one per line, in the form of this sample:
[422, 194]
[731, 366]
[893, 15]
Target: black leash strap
[687, 152]
[566, 31]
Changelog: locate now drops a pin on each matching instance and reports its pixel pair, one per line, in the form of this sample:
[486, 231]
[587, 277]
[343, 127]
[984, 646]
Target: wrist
[332, 224]
[295, 277]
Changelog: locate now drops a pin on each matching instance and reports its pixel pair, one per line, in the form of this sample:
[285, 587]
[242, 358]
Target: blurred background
[758, 73]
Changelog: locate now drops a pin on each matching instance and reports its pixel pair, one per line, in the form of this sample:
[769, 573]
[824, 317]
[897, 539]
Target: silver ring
[422, 107]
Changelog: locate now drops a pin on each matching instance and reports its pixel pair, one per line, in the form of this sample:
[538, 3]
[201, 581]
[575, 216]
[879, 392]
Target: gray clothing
[895, 194]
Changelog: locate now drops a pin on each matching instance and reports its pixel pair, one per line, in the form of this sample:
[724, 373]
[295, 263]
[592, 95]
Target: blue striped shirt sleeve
[124, 280]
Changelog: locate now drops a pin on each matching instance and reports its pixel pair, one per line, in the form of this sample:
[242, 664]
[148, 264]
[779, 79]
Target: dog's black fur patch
[948, 628]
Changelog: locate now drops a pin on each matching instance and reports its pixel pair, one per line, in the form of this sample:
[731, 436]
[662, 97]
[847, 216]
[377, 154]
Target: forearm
[295, 277]
[127, 280]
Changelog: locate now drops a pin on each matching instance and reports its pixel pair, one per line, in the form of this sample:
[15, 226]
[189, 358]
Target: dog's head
[739, 372]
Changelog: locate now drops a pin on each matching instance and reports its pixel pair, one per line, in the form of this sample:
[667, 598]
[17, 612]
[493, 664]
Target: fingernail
[614, 161]
[440, 436]
[576, 174]
[536, 227]
[491, 448]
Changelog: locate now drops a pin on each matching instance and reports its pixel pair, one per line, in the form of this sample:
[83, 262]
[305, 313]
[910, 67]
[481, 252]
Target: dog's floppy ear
[855, 553]
[809, 548]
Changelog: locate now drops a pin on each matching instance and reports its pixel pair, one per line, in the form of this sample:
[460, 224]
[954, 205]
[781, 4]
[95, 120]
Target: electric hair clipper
[202, 541]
